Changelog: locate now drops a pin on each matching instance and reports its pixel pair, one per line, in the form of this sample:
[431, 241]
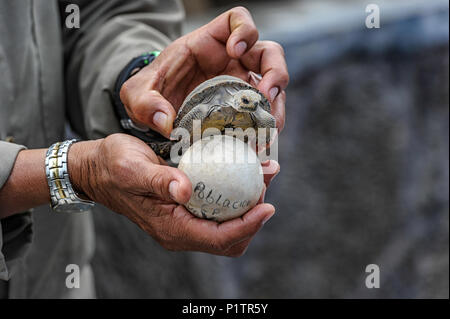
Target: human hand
[124, 174]
[227, 45]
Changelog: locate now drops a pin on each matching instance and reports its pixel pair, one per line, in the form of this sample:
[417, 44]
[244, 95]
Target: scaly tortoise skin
[221, 102]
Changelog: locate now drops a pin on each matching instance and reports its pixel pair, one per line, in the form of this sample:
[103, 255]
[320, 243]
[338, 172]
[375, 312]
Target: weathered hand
[227, 45]
[124, 174]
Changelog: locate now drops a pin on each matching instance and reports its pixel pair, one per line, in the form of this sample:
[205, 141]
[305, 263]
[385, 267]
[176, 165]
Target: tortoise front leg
[264, 119]
[200, 112]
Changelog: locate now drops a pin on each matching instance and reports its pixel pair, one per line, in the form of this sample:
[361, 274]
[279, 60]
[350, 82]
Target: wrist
[128, 125]
[26, 186]
[82, 159]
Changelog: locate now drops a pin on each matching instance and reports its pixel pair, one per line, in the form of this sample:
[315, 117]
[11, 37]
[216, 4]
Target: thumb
[168, 183]
[151, 109]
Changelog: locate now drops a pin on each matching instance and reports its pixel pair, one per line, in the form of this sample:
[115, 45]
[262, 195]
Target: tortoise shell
[206, 90]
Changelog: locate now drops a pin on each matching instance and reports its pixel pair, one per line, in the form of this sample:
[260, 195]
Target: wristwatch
[142, 132]
[63, 197]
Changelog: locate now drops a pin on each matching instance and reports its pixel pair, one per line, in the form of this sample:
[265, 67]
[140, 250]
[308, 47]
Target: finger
[235, 28]
[238, 249]
[148, 108]
[263, 195]
[254, 78]
[208, 236]
[271, 169]
[278, 110]
[233, 231]
[162, 161]
[267, 58]
[168, 183]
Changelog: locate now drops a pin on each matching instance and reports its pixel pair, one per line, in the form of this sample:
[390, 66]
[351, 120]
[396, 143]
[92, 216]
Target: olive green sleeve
[111, 34]
[8, 154]
[15, 231]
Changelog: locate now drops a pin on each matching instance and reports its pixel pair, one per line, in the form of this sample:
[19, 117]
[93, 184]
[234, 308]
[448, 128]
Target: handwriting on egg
[214, 200]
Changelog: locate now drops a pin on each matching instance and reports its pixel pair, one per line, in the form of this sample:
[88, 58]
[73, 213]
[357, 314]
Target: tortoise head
[246, 101]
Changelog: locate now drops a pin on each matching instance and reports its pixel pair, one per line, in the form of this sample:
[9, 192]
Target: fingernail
[173, 188]
[240, 48]
[273, 92]
[160, 120]
[267, 218]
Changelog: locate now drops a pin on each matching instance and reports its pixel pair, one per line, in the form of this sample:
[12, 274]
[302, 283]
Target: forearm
[26, 186]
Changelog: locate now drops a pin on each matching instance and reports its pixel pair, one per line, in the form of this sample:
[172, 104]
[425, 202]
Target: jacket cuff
[15, 231]
[8, 154]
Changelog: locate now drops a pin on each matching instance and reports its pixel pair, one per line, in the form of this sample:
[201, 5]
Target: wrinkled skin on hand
[124, 174]
[227, 45]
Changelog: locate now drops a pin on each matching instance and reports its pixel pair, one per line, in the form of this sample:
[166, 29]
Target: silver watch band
[63, 197]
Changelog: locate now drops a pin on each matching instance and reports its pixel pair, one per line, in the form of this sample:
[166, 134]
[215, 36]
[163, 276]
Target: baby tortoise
[221, 102]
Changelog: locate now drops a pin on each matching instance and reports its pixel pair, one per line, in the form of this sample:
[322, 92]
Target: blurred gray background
[364, 166]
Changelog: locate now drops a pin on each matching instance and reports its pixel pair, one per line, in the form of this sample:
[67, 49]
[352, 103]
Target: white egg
[226, 175]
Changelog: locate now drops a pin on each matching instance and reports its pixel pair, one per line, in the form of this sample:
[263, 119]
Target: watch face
[73, 207]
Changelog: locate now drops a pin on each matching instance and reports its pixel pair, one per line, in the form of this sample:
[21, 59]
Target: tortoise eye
[245, 100]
